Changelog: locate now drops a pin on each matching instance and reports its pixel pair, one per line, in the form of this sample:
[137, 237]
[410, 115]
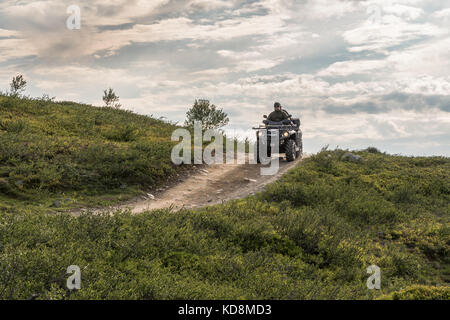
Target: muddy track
[207, 185]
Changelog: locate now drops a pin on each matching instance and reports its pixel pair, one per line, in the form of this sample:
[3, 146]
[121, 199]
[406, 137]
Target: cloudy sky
[358, 73]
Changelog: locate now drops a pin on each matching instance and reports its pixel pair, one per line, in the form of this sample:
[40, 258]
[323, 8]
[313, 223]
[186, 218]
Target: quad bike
[289, 134]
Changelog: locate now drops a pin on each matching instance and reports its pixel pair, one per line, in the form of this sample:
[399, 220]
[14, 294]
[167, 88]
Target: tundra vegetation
[310, 235]
[70, 154]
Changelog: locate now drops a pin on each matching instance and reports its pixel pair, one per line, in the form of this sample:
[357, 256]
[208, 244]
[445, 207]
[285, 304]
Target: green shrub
[12, 126]
[372, 150]
[125, 133]
[419, 292]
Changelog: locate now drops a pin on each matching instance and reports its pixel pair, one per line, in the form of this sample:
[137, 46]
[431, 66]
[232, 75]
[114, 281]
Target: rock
[33, 296]
[351, 157]
[250, 180]
[219, 191]
[209, 200]
[204, 171]
[56, 204]
[150, 196]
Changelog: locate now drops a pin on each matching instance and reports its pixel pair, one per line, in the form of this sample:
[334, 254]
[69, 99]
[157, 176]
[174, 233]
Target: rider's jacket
[278, 116]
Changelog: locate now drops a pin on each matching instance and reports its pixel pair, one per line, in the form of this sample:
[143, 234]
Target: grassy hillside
[309, 236]
[60, 155]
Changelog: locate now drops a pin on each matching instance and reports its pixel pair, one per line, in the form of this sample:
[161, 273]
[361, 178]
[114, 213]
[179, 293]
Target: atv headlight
[285, 134]
[260, 133]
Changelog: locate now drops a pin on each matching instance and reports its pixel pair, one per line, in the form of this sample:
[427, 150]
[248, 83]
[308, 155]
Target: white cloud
[406, 12]
[352, 67]
[12, 48]
[209, 4]
[444, 13]
[8, 33]
[431, 58]
[391, 31]
[353, 82]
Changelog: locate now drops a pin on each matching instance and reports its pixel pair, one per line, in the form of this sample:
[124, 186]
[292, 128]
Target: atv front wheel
[291, 150]
[257, 155]
[256, 152]
[299, 153]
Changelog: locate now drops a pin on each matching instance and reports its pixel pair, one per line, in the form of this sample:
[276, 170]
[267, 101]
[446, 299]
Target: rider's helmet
[277, 105]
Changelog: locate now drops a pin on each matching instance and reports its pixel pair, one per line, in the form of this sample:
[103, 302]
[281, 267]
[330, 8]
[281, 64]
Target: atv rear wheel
[291, 150]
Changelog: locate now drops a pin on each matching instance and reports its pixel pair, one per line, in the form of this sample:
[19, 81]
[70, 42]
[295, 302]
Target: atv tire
[256, 152]
[299, 153]
[291, 150]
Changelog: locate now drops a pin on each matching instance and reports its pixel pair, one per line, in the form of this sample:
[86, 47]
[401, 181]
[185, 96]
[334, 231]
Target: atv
[289, 134]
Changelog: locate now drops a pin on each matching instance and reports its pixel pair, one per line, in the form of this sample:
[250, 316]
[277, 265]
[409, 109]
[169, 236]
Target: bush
[208, 115]
[12, 126]
[419, 292]
[372, 150]
[125, 133]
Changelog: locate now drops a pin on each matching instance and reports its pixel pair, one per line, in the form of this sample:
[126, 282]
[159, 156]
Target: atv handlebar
[279, 126]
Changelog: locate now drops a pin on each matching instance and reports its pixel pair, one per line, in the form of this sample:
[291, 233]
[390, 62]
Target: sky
[357, 73]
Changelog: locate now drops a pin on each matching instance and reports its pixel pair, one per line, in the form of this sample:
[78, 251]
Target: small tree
[208, 114]
[18, 85]
[111, 99]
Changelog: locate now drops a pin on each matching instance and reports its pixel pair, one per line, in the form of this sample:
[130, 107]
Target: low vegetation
[63, 154]
[311, 235]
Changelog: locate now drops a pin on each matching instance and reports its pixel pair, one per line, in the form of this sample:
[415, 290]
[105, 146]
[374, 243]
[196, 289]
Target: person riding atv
[279, 114]
[281, 126]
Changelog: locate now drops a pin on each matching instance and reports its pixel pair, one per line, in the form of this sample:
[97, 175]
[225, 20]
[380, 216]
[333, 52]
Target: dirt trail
[208, 185]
